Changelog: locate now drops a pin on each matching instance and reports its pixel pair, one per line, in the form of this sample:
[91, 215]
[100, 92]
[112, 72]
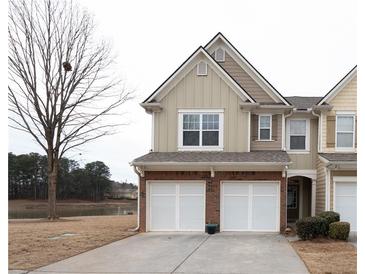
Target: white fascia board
[263, 83]
[217, 68]
[339, 86]
[209, 163]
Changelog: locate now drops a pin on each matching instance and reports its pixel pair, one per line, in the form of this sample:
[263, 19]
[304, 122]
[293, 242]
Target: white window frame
[224, 55]
[307, 136]
[259, 127]
[200, 112]
[346, 114]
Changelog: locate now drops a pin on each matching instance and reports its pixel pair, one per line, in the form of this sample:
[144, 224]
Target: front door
[293, 203]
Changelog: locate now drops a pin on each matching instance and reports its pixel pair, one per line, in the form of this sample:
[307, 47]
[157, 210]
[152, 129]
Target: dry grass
[30, 246]
[327, 256]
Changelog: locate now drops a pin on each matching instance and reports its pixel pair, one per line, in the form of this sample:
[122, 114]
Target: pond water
[69, 211]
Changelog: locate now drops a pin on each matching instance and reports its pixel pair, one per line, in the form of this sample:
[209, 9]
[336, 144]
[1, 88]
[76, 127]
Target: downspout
[136, 171]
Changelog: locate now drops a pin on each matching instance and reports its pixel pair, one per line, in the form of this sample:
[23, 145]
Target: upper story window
[265, 127]
[219, 55]
[200, 130]
[298, 134]
[345, 131]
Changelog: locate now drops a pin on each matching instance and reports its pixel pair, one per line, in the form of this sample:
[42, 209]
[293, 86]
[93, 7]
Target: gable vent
[202, 68]
[220, 55]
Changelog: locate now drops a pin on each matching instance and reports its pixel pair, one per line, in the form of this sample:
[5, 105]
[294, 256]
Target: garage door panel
[163, 212]
[177, 206]
[343, 189]
[250, 206]
[191, 212]
[191, 188]
[264, 213]
[236, 188]
[235, 213]
[265, 189]
[163, 188]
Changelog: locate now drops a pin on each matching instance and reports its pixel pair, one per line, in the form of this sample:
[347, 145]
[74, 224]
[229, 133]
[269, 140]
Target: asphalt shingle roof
[208, 157]
[301, 102]
[340, 157]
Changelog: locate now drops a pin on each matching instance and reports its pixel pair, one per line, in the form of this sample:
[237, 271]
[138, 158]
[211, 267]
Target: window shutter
[254, 127]
[274, 127]
[355, 131]
[331, 131]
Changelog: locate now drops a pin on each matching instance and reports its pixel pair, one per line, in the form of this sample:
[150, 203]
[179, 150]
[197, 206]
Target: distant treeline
[27, 178]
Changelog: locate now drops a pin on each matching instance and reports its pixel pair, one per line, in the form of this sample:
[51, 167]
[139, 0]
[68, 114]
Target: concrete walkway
[186, 253]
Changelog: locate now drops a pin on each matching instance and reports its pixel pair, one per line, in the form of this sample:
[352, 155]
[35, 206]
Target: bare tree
[61, 85]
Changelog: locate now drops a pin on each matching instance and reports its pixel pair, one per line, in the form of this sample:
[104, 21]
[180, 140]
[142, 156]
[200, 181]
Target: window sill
[265, 140]
[200, 149]
[337, 149]
[298, 151]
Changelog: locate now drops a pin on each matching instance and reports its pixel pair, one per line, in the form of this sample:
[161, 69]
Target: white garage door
[345, 202]
[177, 206]
[250, 206]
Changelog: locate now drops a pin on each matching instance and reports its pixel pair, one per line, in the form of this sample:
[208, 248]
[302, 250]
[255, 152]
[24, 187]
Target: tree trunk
[52, 183]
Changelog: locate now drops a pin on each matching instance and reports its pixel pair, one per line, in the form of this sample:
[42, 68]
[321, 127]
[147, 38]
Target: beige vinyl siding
[346, 100]
[249, 85]
[321, 187]
[275, 144]
[308, 160]
[339, 173]
[200, 92]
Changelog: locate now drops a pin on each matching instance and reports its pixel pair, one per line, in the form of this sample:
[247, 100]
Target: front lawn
[35, 243]
[322, 255]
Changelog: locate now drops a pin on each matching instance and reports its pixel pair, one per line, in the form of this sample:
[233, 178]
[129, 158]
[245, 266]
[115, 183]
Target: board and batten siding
[201, 92]
[245, 80]
[276, 134]
[345, 100]
[308, 160]
[320, 187]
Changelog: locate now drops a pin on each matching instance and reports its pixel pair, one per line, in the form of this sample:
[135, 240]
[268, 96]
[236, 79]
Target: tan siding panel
[307, 161]
[194, 91]
[275, 144]
[321, 187]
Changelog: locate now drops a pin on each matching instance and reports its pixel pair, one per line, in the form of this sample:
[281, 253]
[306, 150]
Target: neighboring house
[228, 148]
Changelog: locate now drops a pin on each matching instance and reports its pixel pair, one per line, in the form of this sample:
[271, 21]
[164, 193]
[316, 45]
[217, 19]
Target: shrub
[339, 230]
[330, 217]
[311, 227]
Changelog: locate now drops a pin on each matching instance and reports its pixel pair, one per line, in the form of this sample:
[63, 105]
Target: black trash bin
[211, 228]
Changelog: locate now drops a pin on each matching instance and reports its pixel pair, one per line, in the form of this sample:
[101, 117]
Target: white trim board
[339, 86]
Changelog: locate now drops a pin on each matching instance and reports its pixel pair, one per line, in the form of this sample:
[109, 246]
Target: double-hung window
[265, 127]
[298, 134]
[200, 130]
[345, 131]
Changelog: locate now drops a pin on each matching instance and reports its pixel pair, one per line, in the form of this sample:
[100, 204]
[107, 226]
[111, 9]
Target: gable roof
[229, 79]
[338, 87]
[302, 102]
[258, 77]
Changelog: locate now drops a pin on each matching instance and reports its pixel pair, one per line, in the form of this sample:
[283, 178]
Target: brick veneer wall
[212, 189]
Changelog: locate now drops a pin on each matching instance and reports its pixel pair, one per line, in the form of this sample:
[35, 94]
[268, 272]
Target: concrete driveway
[186, 253]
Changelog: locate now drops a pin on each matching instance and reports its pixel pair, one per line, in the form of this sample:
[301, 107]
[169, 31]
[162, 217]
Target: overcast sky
[301, 48]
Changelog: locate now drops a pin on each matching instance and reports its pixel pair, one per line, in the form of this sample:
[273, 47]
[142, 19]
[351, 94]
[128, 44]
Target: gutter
[209, 163]
[319, 133]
